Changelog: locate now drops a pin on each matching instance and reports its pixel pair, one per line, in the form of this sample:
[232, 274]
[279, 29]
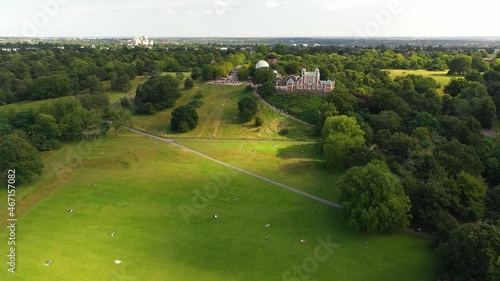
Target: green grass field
[217, 118]
[293, 163]
[440, 76]
[160, 200]
[115, 95]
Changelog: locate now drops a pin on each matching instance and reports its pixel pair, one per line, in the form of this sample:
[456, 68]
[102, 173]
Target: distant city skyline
[244, 18]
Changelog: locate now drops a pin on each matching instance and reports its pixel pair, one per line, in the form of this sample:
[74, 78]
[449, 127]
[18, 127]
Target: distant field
[440, 76]
[218, 118]
[159, 200]
[115, 95]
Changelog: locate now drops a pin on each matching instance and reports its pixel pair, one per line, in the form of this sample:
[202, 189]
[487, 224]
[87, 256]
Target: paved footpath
[300, 192]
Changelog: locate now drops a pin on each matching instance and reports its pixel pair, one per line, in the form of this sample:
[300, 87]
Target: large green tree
[184, 118]
[121, 117]
[373, 199]
[158, 93]
[460, 64]
[471, 253]
[21, 156]
[263, 75]
[247, 107]
[52, 86]
[267, 89]
[341, 134]
[45, 133]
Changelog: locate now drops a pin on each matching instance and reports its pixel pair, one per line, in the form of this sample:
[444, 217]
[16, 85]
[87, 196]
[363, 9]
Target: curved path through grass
[305, 194]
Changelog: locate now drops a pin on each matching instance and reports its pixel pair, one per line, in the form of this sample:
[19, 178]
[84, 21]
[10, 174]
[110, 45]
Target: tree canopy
[373, 199]
[158, 93]
[247, 107]
[340, 135]
[184, 118]
[21, 156]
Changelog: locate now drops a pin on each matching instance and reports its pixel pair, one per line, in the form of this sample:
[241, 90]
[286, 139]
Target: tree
[340, 135]
[455, 87]
[21, 156]
[120, 82]
[184, 118]
[460, 64]
[426, 120]
[121, 117]
[373, 199]
[400, 145]
[389, 120]
[267, 89]
[280, 49]
[263, 50]
[292, 68]
[479, 64]
[247, 107]
[188, 83]
[471, 253]
[470, 193]
[158, 93]
[195, 73]
[46, 133]
[263, 75]
[52, 86]
[243, 73]
[492, 204]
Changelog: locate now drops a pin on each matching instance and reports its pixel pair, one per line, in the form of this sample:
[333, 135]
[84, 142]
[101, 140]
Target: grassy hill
[218, 111]
[159, 200]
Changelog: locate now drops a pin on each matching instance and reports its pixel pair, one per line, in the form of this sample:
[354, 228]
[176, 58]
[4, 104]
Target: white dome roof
[261, 63]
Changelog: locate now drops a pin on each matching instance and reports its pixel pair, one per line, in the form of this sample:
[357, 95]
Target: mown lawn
[218, 118]
[159, 200]
[298, 164]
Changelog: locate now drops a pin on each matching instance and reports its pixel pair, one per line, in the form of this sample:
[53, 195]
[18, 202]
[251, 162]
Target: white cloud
[272, 4]
[169, 11]
[288, 2]
[192, 13]
[207, 12]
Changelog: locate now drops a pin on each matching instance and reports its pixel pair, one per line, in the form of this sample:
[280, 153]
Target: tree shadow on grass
[310, 150]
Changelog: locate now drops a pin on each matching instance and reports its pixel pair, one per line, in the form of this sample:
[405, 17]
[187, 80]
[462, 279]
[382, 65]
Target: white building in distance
[142, 41]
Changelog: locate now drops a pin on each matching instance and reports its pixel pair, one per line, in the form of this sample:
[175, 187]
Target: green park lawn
[218, 118]
[441, 77]
[115, 95]
[298, 164]
[159, 199]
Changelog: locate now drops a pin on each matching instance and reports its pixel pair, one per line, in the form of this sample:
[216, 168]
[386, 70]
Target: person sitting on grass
[47, 263]
[70, 210]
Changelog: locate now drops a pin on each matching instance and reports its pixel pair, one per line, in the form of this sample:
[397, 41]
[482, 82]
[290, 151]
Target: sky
[249, 18]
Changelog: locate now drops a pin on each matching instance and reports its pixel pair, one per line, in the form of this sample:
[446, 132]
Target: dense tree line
[23, 133]
[44, 71]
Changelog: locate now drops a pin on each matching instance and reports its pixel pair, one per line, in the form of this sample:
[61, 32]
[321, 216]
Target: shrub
[258, 121]
[188, 84]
